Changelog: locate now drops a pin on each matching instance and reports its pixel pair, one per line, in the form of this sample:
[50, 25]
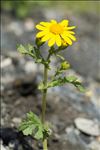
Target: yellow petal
[72, 37]
[70, 28]
[53, 21]
[51, 42]
[68, 40]
[46, 24]
[40, 27]
[64, 23]
[42, 33]
[46, 37]
[58, 40]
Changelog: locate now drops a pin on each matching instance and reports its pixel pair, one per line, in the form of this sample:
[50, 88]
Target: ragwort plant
[58, 36]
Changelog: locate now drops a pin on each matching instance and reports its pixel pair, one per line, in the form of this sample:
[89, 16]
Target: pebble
[73, 136]
[6, 62]
[30, 67]
[95, 145]
[16, 27]
[2, 147]
[16, 120]
[87, 126]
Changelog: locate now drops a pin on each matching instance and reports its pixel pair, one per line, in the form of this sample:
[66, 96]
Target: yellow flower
[56, 33]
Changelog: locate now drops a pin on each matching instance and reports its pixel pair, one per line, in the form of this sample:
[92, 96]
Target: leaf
[70, 79]
[32, 125]
[73, 80]
[39, 133]
[30, 47]
[31, 116]
[22, 49]
[28, 130]
[54, 83]
[60, 56]
[41, 86]
[79, 86]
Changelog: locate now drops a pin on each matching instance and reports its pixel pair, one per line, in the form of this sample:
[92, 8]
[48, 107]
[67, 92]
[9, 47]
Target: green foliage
[22, 49]
[32, 125]
[22, 8]
[61, 57]
[32, 51]
[61, 81]
[71, 79]
[19, 8]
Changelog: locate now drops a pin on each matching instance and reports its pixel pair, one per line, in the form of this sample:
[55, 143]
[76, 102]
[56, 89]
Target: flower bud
[65, 65]
[39, 42]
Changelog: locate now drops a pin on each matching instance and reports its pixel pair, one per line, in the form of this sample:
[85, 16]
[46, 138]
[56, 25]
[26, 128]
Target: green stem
[44, 104]
[45, 144]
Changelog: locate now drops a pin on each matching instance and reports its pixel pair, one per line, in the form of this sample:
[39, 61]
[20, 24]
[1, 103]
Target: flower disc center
[56, 29]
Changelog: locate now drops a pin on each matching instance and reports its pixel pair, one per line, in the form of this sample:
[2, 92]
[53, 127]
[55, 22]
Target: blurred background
[20, 76]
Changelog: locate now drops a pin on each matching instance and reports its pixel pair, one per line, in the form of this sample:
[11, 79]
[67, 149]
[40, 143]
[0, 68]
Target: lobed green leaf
[22, 49]
[32, 125]
[70, 79]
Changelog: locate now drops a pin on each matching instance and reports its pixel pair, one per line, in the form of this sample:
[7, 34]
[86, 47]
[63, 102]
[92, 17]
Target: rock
[16, 27]
[2, 147]
[16, 120]
[6, 62]
[93, 93]
[78, 100]
[88, 126]
[73, 136]
[95, 145]
[85, 62]
[30, 67]
[11, 146]
[8, 73]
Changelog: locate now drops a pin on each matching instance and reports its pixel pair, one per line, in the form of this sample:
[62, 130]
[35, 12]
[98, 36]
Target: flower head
[56, 33]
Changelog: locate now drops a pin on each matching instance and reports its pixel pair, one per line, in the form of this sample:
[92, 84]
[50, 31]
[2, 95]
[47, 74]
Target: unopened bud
[65, 65]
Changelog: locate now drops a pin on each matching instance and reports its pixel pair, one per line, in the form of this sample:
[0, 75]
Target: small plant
[59, 36]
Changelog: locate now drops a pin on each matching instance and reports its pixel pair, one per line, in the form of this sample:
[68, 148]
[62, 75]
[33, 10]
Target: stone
[6, 62]
[87, 126]
[1, 146]
[30, 67]
[16, 27]
[73, 136]
[16, 120]
[95, 145]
